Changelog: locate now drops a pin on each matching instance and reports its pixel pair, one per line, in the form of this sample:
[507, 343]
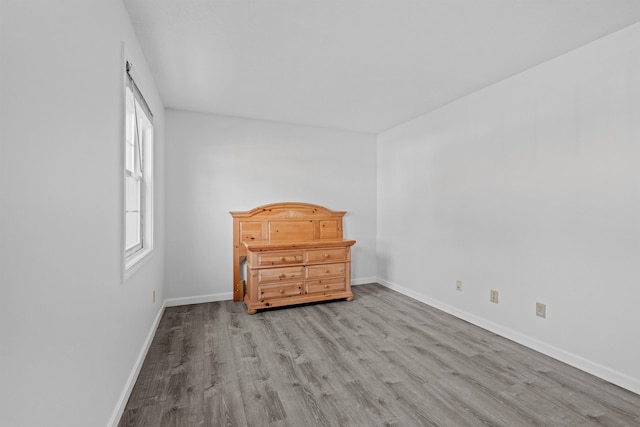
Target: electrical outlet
[493, 296]
[458, 285]
[541, 310]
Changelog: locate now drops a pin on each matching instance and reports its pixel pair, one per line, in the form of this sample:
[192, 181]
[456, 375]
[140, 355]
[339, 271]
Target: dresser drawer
[266, 292]
[268, 275]
[325, 270]
[326, 255]
[326, 285]
[282, 258]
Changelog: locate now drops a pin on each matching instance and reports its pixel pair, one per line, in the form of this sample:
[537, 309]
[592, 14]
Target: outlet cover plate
[493, 297]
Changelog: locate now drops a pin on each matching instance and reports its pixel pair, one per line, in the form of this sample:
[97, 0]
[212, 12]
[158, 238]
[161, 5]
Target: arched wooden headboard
[280, 222]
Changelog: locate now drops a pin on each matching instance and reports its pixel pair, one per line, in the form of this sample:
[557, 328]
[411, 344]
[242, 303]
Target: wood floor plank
[381, 360]
[221, 405]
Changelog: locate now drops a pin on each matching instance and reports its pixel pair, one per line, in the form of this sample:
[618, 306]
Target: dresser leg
[350, 299]
[252, 311]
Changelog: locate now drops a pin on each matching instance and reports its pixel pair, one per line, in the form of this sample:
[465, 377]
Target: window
[138, 167]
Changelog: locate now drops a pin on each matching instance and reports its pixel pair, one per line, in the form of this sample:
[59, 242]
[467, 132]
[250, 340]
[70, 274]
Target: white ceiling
[354, 64]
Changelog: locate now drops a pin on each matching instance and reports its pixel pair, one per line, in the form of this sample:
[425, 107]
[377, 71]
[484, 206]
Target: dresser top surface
[266, 245]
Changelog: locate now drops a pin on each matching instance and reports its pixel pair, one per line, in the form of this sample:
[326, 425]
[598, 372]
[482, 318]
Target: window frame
[142, 173]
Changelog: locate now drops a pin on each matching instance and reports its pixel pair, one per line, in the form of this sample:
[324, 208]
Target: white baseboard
[223, 296]
[363, 281]
[596, 369]
[173, 302]
[226, 296]
[131, 381]
[607, 374]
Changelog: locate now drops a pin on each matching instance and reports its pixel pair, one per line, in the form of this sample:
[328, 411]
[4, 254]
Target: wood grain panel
[283, 258]
[267, 292]
[289, 231]
[279, 274]
[325, 270]
[250, 231]
[330, 229]
[325, 285]
[324, 255]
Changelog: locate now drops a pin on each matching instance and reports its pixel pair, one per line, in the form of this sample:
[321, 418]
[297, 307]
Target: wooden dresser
[294, 254]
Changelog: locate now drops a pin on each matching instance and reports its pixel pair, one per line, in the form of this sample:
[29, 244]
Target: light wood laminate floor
[383, 359]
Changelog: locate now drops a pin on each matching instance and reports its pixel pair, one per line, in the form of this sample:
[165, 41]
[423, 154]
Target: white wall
[530, 187]
[70, 329]
[219, 164]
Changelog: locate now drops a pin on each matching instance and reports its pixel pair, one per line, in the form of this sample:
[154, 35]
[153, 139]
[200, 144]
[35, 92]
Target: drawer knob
[281, 276]
[282, 291]
[326, 255]
[281, 258]
[326, 286]
[326, 270]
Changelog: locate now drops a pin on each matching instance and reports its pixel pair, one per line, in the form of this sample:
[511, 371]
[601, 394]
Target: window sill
[135, 261]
